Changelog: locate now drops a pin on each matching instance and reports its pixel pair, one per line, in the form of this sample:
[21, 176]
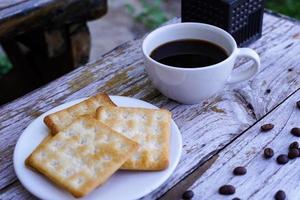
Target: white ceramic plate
[123, 185]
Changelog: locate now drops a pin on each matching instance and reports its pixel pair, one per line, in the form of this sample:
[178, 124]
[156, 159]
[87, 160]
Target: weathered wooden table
[219, 133]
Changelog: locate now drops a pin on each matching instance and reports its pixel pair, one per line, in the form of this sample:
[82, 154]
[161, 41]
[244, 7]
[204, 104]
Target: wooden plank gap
[177, 191]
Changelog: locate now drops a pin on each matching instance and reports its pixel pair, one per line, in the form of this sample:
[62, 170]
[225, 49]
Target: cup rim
[163, 28]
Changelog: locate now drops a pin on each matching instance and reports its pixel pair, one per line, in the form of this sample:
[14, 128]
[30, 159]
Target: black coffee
[189, 53]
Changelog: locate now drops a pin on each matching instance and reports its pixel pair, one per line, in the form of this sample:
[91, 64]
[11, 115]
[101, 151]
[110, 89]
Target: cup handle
[247, 74]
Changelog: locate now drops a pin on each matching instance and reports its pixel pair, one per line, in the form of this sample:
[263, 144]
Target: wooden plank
[206, 127]
[10, 3]
[16, 192]
[264, 177]
[24, 16]
[177, 191]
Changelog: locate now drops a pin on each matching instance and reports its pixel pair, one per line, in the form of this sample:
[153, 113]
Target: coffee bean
[268, 153]
[295, 131]
[294, 145]
[268, 91]
[280, 195]
[266, 127]
[282, 159]
[298, 104]
[227, 190]
[249, 105]
[293, 153]
[189, 194]
[238, 171]
[236, 198]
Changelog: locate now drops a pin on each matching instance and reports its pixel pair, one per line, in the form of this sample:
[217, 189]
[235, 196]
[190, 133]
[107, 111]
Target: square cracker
[148, 127]
[82, 156]
[59, 120]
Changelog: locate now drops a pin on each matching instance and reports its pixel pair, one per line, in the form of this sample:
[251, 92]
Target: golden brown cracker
[59, 120]
[82, 156]
[148, 127]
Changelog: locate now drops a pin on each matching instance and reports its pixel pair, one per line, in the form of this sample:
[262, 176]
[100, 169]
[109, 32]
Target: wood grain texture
[10, 3]
[177, 191]
[264, 177]
[206, 127]
[16, 191]
[21, 16]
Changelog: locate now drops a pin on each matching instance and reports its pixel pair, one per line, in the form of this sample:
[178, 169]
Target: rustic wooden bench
[218, 133]
[44, 39]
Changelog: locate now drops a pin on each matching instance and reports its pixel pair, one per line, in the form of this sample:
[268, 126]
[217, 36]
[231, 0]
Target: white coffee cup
[191, 85]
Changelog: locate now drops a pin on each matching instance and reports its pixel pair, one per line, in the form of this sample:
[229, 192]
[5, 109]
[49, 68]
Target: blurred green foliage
[151, 13]
[5, 65]
[286, 7]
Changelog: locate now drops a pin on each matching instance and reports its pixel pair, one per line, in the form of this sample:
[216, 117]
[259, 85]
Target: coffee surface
[189, 53]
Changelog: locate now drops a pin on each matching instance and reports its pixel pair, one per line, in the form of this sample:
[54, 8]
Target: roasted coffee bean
[249, 105]
[293, 153]
[280, 195]
[227, 190]
[189, 194]
[294, 145]
[268, 153]
[298, 104]
[236, 198]
[266, 127]
[282, 159]
[239, 171]
[295, 131]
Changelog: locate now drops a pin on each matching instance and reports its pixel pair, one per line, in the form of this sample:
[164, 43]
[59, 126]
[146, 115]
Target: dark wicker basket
[241, 18]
